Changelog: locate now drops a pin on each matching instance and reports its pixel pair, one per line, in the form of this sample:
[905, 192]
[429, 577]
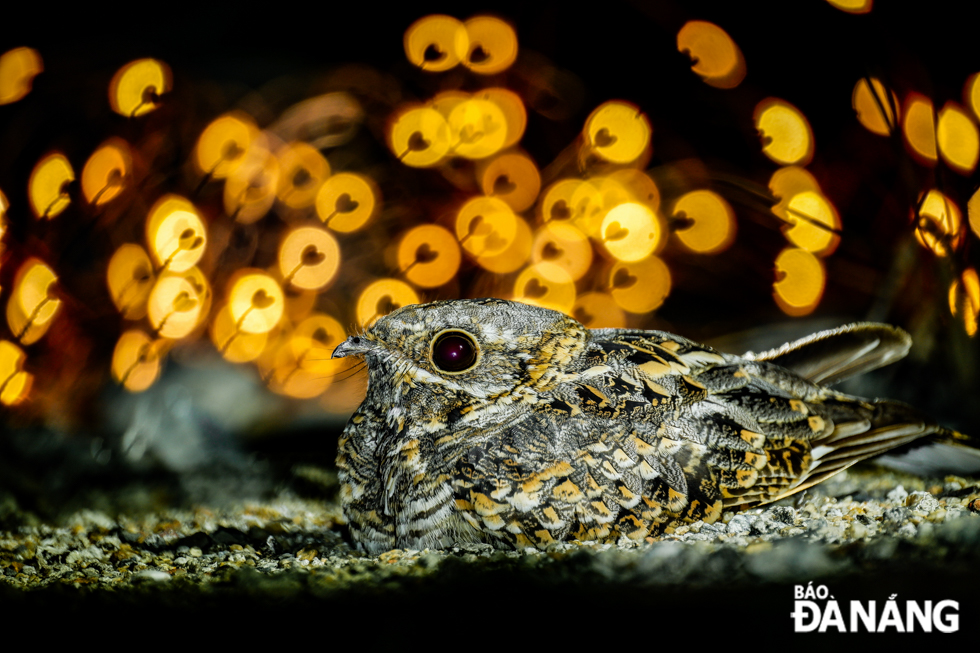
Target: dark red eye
[454, 351]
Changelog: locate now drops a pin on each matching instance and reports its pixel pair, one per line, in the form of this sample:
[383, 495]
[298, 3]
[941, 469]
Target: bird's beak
[353, 346]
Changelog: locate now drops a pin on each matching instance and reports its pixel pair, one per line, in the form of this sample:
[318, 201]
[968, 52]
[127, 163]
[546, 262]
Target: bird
[498, 422]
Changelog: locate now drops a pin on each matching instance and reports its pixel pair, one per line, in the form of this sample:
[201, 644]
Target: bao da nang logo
[816, 610]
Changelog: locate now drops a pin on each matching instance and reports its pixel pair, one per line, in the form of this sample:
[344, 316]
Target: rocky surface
[868, 529]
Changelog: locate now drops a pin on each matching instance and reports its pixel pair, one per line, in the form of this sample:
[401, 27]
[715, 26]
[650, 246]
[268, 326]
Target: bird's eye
[454, 351]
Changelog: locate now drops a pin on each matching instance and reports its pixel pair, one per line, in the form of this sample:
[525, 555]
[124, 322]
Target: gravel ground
[870, 531]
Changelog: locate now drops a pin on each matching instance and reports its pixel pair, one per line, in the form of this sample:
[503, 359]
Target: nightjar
[493, 421]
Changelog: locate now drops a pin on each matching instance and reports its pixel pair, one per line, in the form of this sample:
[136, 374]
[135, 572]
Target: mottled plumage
[548, 431]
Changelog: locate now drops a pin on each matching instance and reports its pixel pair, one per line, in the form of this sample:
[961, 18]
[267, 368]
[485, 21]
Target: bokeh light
[800, 281]
[223, 144]
[477, 129]
[255, 301]
[964, 300]
[431, 42]
[938, 226]
[958, 138]
[34, 302]
[785, 132]
[715, 57]
[548, 285]
[703, 221]
[973, 212]
[512, 108]
[309, 258]
[875, 106]
[250, 189]
[490, 46]
[971, 94]
[853, 6]
[15, 383]
[130, 279]
[812, 223]
[136, 360]
[485, 226]
[175, 234]
[302, 170]
[347, 201]
[598, 310]
[382, 297]
[919, 128]
[640, 286]
[136, 88]
[512, 177]
[428, 256]
[562, 244]
[631, 231]
[175, 307]
[18, 68]
[106, 172]
[48, 185]
[514, 255]
[618, 132]
[419, 137]
[235, 345]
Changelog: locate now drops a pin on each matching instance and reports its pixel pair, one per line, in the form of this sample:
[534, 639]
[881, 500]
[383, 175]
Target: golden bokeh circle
[564, 245]
[477, 129]
[709, 221]
[175, 234]
[431, 42]
[938, 226]
[47, 187]
[130, 279]
[106, 172]
[175, 308]
[34, 303]
[958, 138]
[512, 177]
[919, 128]
[255, 301]
[135, 361]
[485, 226]
[512, 107]
[631, 231]
[428, 256]
[641, 286]
[250, 189]
[136, 88]
[786, 135]
[223, 145]
[813, 223]
[547, 285]
[18, 68]
[235, 345]
[875, 106]
[514, 255]
[419, 137]
[309, 258]
[302, 170]
[381, 297]
[618, 132]
[489, 46]
[598, 310]
[15, 383]
[715, 57]
[800, 281]
[347, 201]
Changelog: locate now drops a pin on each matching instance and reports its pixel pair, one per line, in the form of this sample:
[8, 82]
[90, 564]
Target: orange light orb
[136, 88]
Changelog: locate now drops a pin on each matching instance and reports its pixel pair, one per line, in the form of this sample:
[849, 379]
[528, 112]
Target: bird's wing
[653, 430]
[834, 355]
